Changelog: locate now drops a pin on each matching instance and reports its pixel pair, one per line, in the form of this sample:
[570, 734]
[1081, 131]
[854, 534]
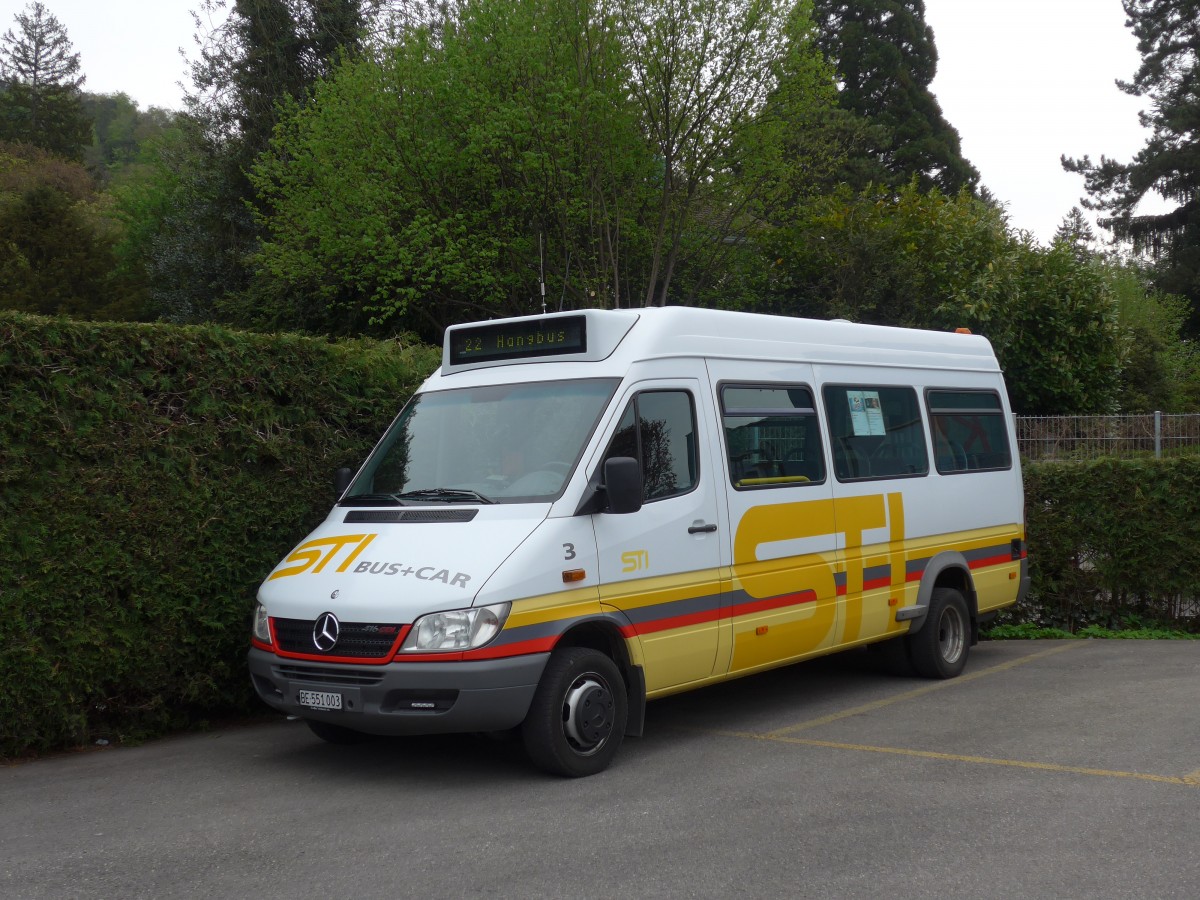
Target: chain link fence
[1145, 436]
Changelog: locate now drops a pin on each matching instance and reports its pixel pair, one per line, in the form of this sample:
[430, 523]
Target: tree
[718, 84]
[889, 257]
[1075, 231]
[263, 52]
[1169, 163]
[1160, 369]
[40, 101]
[885, 59]
[436, 183]
[120, 131]
[56, 241]
[924, 260]
[264, 55]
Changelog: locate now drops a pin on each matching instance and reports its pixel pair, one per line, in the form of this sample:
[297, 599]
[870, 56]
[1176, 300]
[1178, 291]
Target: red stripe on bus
[666, 624]
[997, 560]
[782, 601]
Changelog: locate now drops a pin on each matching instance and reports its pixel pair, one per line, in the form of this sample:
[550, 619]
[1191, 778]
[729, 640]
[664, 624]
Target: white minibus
[583, 511]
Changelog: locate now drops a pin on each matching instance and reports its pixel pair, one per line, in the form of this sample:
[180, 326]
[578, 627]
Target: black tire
[577, 718]
[939, 649]
[337, 734]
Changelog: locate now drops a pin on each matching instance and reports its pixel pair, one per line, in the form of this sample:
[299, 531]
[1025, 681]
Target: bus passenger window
[771, 436]
[875, 431]
[968, 429]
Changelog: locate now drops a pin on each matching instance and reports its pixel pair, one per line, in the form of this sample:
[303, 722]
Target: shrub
[1112, 543]
[150, 476]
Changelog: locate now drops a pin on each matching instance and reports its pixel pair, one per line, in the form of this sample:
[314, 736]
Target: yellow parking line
[921, 691]
[783, 735]
[1192, 780]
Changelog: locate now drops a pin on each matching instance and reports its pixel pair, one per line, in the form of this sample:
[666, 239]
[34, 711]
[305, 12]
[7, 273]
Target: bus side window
[875, 431]
[658, 429]
[772, 437]
[968, 431]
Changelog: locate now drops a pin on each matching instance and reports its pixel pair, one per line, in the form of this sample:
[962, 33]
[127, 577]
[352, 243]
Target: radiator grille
[356, 640]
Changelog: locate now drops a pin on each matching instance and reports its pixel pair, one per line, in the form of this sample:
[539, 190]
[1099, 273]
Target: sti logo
[313, 556]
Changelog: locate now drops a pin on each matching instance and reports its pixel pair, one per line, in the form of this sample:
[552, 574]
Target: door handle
[702, 529]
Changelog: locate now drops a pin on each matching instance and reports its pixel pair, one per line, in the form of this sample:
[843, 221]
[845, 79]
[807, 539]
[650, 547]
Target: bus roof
[630, 335]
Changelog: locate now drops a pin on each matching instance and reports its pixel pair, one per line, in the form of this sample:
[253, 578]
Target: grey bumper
[405, 698]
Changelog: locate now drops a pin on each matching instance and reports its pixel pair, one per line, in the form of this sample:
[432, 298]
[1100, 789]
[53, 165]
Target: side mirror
[623, 484]
[341, 481]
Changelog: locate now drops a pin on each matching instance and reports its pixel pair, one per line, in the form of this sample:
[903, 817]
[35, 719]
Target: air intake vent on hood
[376, 516]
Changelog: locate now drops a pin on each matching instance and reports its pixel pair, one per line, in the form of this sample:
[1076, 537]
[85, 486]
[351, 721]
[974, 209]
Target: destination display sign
[514, 340]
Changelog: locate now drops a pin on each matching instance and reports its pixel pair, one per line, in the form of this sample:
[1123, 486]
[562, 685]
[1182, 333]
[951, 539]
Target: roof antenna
[565, 275]
[542, 272]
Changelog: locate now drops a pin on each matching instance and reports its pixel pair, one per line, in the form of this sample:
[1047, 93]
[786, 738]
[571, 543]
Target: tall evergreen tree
[265, 55]
[40, 99]
[1076, 232]
[264, 52]
[1169, 164]
[894, 129]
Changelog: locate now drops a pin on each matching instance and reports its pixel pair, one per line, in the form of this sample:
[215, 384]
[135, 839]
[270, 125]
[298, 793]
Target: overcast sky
[1023, 81]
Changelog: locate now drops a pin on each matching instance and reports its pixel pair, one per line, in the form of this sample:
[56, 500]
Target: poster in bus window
[866, 413]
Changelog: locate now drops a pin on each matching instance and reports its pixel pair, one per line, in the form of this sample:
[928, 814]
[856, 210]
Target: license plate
[319, 700]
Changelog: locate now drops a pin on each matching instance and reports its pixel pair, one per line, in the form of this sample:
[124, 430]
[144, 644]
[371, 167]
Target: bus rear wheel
[577, 718]
[939, 649]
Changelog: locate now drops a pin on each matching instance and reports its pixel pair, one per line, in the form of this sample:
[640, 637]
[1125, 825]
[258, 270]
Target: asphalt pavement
[1048, 769]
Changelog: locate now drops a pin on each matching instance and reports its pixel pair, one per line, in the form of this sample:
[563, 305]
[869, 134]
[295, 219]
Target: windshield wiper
[449, 495]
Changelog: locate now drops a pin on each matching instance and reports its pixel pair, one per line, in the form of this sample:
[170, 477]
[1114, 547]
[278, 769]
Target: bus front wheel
[577, 718]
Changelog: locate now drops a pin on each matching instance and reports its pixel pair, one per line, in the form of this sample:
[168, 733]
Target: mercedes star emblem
[325, 632]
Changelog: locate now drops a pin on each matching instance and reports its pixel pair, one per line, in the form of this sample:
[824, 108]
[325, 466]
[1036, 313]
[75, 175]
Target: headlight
[460, 629]
[262, 629]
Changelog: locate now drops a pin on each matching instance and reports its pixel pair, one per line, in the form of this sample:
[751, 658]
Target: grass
[1029, 631]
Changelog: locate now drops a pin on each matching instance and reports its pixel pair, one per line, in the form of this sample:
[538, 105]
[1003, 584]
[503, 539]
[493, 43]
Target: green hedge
[1113, 543]
[150, 476]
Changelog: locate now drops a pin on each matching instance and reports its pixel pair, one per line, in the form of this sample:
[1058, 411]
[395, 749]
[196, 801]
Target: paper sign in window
[866, 414]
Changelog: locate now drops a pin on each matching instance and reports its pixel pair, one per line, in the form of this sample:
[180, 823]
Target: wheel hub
[588, 713]
[952, 636]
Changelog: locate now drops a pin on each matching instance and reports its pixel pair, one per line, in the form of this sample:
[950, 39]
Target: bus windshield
[509, 443]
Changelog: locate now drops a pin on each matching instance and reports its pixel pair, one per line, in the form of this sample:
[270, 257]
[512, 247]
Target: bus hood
[396, 564]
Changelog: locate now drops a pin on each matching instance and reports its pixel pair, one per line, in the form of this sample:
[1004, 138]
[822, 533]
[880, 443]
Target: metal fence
[1152, 435]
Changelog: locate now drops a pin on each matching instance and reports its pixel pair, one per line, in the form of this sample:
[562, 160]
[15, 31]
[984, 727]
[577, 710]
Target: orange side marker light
[572, 575]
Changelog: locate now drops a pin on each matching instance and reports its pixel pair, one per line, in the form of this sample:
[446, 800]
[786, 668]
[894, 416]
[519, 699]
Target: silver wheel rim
[586, 726]
[952, 635]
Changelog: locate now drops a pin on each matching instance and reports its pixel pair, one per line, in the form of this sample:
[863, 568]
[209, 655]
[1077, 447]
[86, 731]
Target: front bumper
[405, 698]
